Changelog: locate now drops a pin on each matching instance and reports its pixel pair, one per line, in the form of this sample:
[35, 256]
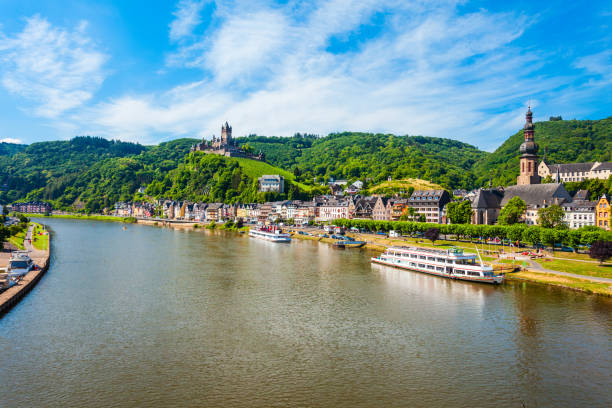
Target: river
[156, 317]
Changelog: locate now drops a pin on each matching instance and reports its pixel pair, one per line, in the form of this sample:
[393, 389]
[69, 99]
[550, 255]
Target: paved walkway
[536, 267]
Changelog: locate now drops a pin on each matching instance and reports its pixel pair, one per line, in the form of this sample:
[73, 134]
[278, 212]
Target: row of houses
[427, 206]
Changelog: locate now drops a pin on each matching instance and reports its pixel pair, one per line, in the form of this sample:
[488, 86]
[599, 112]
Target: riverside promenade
[11, 296]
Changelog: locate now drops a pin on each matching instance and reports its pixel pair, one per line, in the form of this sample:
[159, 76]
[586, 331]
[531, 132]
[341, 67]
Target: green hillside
[373, 157]
[86, 172]
[563, 141]
[212, 178]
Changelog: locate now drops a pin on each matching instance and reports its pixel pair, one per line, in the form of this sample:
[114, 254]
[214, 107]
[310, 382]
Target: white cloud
[187, 18]
[55, 68]
[11, 140]
[429, 71]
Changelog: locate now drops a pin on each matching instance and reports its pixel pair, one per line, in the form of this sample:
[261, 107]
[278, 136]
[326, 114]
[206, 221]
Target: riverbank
[13, 295]
[512, 271]
[110, 218]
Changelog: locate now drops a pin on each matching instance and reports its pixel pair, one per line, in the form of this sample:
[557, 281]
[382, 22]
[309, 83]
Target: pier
[13, 295]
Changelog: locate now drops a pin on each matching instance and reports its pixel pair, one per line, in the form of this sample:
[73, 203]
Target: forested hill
[374, 157]
[9, 149]
[562, 141]
[85, 170]
[91, 173]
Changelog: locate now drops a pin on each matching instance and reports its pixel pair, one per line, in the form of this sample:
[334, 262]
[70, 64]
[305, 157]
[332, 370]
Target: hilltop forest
[91, 173]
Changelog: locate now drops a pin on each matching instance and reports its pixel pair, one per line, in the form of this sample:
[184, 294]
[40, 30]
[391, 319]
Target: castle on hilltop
[225, 146]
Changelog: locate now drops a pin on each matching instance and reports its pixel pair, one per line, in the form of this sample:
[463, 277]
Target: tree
[515, 233]
[532, 235]
[551, 217]
[432, 234]
[459, 212]
[601, 250]
[512, 211]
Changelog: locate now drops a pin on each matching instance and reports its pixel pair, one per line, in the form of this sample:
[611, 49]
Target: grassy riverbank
[17, 239]
[567, 282]
[40, 237]
[576, 263]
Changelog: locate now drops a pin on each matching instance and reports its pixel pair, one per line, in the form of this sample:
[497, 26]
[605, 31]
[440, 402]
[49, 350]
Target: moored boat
[349, 244]
[272, 234]
[6, 281]
[19, 264]
[451, 263]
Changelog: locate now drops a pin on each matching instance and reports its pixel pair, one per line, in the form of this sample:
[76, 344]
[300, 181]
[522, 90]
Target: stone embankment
[13, 295]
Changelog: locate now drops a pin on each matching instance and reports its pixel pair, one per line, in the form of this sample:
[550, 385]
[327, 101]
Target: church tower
[226, 134]
[529, 154]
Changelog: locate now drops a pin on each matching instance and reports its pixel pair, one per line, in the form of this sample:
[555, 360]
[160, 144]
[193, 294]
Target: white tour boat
[272, 234]
[450, 263]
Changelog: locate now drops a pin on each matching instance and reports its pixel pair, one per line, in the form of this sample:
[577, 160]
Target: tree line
[516, 234]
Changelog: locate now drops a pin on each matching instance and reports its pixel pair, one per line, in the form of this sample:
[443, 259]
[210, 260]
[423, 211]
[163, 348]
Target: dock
[13, 295]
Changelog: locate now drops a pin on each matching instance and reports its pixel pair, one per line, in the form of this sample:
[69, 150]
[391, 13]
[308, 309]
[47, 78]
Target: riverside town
[335, 204]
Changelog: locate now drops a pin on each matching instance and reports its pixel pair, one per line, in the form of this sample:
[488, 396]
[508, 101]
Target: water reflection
[157, 317]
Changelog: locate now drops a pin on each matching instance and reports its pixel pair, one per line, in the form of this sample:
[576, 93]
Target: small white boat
[19, 264]
[450, 263]
[272, 234]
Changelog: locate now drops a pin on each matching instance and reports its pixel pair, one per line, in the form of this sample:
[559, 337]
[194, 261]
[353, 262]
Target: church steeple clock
[529, 154]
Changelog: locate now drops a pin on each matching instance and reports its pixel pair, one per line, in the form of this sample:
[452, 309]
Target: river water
[158, 317]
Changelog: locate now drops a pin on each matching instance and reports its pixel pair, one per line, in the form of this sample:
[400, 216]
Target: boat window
[474, 273]
[19, 264]
[405, 255]
[430, 267]
[440, 259]
[422, 257]
[439, 269]
[459, 272]
[421, 265]
[413, 256]
[412, 264]
[487, 273]
[431, 258]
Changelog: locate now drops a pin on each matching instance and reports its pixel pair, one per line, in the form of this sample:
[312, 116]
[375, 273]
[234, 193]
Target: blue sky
[151, 71]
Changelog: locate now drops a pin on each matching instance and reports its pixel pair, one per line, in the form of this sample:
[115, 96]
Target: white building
[568, 172]
[274, 183]
[579, 213]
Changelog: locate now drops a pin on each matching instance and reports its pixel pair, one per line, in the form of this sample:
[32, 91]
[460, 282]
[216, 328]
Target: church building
[488, 203]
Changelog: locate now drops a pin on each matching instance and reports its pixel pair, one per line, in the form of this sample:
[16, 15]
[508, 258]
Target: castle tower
[529, 154]
[226, 134]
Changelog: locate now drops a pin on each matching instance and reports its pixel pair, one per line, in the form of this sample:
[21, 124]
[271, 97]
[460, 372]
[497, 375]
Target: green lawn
[580, 268]
[17, 239]
[563, 281]
[40, 242]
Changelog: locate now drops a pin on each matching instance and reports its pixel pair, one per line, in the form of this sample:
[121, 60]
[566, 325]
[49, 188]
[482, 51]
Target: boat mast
[478, 252]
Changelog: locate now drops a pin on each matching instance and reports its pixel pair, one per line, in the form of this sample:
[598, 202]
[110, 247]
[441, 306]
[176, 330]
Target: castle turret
[226, 133]
[529, 154]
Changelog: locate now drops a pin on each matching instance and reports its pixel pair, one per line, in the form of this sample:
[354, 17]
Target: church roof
[537, 194]
[487, 199]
